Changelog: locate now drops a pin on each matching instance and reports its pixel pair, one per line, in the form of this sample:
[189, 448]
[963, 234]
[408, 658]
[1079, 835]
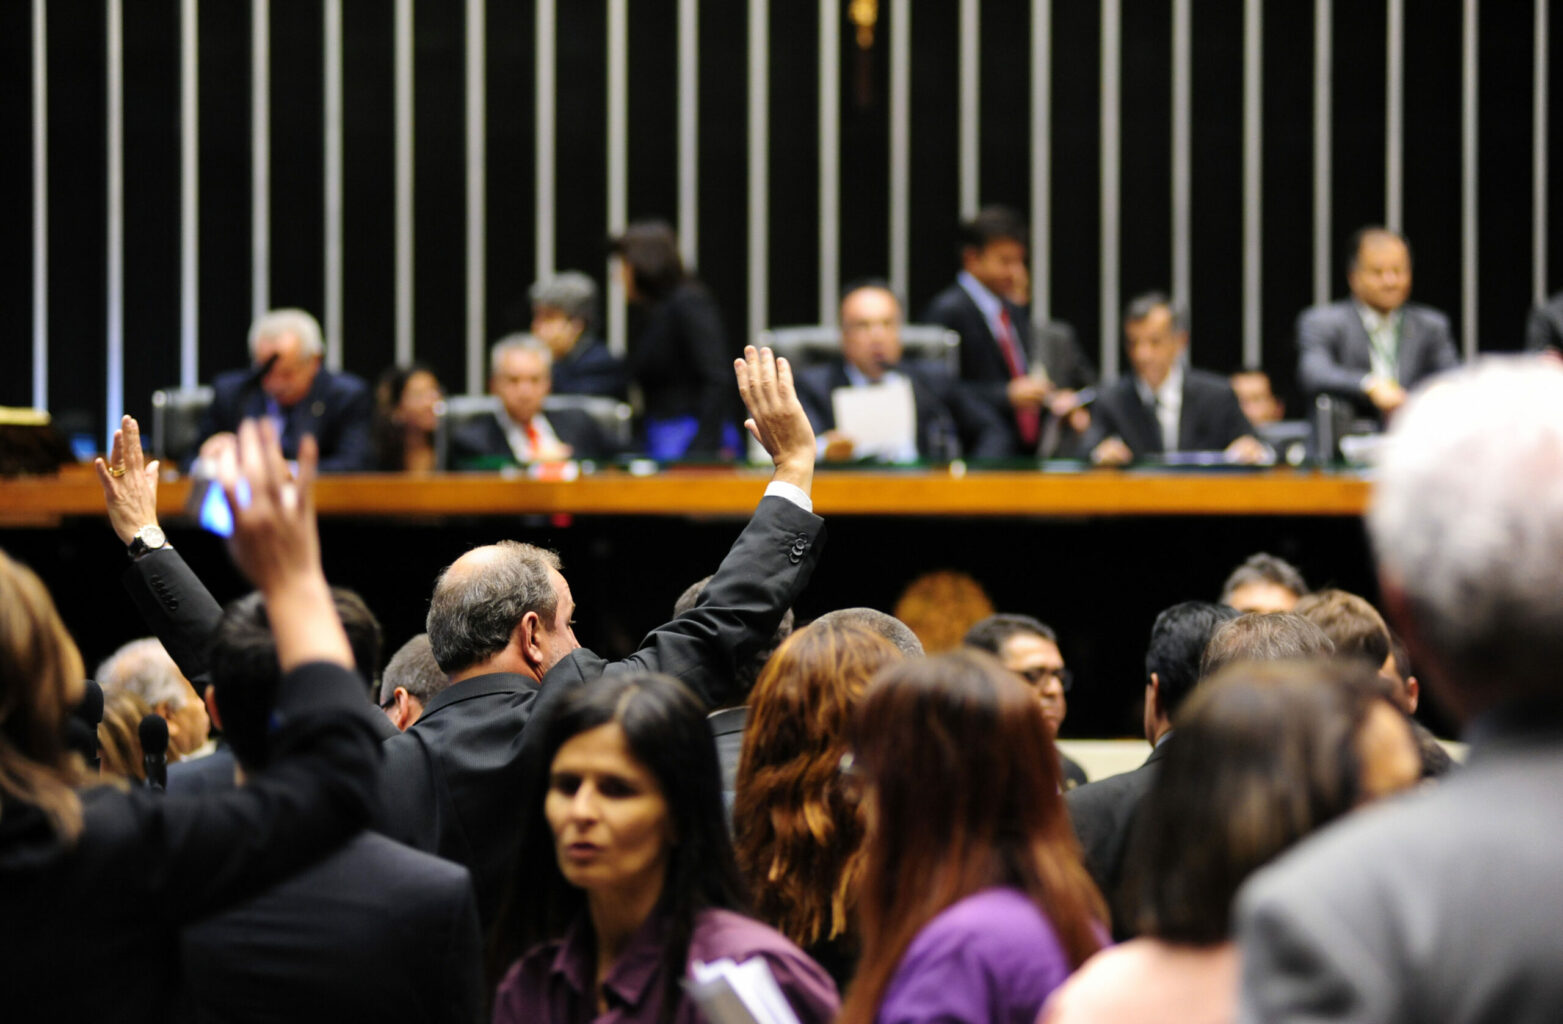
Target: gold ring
[116, 471]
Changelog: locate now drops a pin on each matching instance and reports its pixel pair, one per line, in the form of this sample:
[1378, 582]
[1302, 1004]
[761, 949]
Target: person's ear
[528, 632]
[1413, 693]
[165, 711]
[209, 696]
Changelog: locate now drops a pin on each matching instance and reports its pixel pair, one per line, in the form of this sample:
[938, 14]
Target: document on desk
[881, 420]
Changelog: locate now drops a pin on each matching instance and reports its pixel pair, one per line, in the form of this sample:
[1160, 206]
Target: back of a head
[363, 631]
[1264, 755]
[1467, 524]
[1263, 570]
[650, 247]
[941, 606]
[1178, 641]
[1278, 636]
[297, 322]
[991, 224]
[414, 669]
[571, 292]
[798, 834]
[891, 628]
[1353, 625]
[145, 669]
[475, 607]
[119, 734]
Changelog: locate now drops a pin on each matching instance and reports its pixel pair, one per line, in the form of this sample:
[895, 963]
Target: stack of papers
[746, 993]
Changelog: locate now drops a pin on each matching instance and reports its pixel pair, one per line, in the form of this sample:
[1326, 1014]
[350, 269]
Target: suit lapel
[1139, 416]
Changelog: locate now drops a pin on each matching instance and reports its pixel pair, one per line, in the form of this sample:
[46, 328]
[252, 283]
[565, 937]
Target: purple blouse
[991, 958]
[553, 983]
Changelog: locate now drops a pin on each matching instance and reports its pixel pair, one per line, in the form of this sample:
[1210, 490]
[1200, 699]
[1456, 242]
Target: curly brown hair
[798, 835]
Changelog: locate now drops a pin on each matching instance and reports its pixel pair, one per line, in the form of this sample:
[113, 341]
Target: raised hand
[776, 418]
[129, 482]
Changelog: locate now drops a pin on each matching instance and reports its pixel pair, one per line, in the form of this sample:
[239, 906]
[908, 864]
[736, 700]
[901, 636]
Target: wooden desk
[40, 501]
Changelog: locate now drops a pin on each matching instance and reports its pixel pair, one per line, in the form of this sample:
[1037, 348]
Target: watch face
[151, 536]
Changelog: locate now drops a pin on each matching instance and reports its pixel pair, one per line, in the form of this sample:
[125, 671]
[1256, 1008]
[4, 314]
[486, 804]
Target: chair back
[818, 343]
[614, 417]
[176, 422]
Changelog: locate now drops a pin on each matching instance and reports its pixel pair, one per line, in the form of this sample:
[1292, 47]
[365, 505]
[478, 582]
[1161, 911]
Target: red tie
[1027, 420]
[533, 439]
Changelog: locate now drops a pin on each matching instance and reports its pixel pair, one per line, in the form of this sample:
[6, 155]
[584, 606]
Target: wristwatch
[148, 538]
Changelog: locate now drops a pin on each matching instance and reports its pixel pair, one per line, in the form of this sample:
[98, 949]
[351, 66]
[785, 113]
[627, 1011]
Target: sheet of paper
[881, 420]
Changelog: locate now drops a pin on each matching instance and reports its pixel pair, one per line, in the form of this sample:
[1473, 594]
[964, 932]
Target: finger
[117, 449]
[754, 430]
[308, 466]
[784, 378]
[103, 473]
[151, 472]
[132, 432]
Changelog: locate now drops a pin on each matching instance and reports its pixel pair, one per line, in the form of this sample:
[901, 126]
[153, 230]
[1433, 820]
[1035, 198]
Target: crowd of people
[525, 831]
[1017, 388]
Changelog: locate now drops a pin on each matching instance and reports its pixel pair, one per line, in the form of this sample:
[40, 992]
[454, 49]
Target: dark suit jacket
[1103, 815]
[454, 783]
[1210, 418]
[950, 422]
[375, 931]
[1334, 352]
[589, 369]
[91, 930]
[683, 365]
[336, 411]
[484, 438]
[984, 373]
[1544, 326]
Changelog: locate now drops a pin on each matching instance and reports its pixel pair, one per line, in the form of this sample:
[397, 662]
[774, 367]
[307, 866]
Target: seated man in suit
[563, 309]
[287, 384]
[519, 431]
[979, 306]
[1165, 406]
[1029, 648]
[335, 940]
[1375, 346]
[946, 421]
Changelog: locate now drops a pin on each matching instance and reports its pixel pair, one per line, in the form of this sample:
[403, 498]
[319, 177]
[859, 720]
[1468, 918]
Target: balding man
[1374, 346]
[287, 384]
[500, 625]
[1443, 906]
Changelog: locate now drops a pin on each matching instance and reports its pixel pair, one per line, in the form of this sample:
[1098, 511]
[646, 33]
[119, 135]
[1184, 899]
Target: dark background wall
[77, 173]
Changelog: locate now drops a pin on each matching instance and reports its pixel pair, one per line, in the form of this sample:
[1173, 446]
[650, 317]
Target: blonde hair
[119, 735]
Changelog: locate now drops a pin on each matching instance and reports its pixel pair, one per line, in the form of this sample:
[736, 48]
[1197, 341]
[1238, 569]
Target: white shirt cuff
[792, 492]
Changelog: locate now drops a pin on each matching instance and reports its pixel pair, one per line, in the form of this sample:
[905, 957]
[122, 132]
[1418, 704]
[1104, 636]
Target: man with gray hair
[412, 679]
[145, 669]
[501, 627]
[1443, 906]
[1164, 406]
[287, 384]
[520, 431]
[564, 309]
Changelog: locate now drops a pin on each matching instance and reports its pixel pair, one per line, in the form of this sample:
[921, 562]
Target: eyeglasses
[1039, 676]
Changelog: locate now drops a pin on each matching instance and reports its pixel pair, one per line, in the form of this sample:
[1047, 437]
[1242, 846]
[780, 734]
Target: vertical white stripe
[333, 182]
[1394, 110]
[404, 179]
[1469, 136]
[970, 72]
[1111, 58]
[1253, 179]
[545, 161]
[260, 157]
[1041, 159]
[476, 154]
[759, 165]
[189, 197]
[689, 130]
[829, 158]
[900, 146]
[1322, 73]
[1538, 213]
[115, 384]
[40, 206]
[618, 160]
[1182, 150]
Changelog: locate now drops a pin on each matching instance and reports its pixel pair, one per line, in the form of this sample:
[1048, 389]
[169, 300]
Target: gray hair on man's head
[278, 322]
[145, 669]
[571, 292]
[414, 669]
[476, 608]
[887, 626]
[1142, 306]
[1467, 522]
[521, 341]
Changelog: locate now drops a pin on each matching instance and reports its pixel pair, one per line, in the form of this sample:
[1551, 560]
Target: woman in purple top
[626, 873]
[974, 904]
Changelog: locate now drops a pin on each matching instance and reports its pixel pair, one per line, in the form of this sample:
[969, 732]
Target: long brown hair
[963, 790]
[39, 663]
[119, 735]
[798, 836]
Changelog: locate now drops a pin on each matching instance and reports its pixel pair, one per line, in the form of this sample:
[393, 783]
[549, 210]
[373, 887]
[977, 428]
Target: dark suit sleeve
[352, 449]
[1442, 353]
[175, 605]
[1320, 342]
[460, 1000]
[1544, 327]
[763, 573]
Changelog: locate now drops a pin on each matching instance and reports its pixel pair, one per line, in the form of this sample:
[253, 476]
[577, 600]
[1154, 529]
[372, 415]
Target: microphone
[81, 728]
[253, 379]
[153, 732]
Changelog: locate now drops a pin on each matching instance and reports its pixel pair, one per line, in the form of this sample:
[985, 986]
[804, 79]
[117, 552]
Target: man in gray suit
[1375, 346]
[1443, 906]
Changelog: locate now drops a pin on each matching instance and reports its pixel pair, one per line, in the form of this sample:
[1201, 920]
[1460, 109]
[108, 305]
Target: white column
[115, 383]
[40, 206]
[829, 158]
[476, 199]
[900, 146]
[260, 157]
[189, 197]
[404, 179]
[689, 131]
[1394, 111]
[333, 182]
[759, 166]
[1110, 113]
[1041, 159]
[1322, 56]
[1182, 149]
[1469, 136]
[970, 110]
[618, 159]
[1538, 131]
[546, 161]
[1253, 180]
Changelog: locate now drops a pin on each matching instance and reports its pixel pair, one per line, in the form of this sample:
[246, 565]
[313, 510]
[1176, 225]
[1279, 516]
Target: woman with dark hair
[680, 358]
[974, 902]
[626, 872]
[799, 837]
[1262, 755]
[405, 400]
